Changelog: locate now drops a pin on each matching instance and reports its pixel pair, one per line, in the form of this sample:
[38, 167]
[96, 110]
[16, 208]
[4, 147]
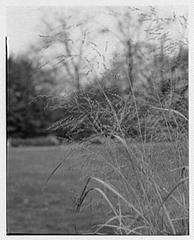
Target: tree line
[32, 110]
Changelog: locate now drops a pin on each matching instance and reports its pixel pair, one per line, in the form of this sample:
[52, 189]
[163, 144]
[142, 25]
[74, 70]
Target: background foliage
[25, 117]
[155, 74]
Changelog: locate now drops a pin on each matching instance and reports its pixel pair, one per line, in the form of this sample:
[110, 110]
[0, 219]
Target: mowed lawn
[33, 208]
[36, 208]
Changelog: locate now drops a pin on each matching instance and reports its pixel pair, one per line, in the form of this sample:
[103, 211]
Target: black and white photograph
[97, 120]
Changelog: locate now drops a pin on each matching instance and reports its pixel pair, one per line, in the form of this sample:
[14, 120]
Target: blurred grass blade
[174, 188]
[121, 140]
[171, 110]
[110, 220]
[81, 200]
[102, 193]
[134, 230]
[55, 169]
[108, 201]
[120, 196]
[82, 194]
[53, 172]
[165, 211]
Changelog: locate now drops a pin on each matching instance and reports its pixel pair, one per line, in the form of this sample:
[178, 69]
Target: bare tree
[144, 37]
[64, 39]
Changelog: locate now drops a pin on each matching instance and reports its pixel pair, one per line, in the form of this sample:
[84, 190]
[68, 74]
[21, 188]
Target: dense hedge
[25, 117]
[41, 141]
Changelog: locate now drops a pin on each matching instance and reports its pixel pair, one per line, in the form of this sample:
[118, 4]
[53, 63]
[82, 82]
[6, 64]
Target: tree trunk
[77, 80]
[130, 63]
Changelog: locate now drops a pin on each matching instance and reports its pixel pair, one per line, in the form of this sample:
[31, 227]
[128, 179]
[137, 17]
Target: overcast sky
[23, 25]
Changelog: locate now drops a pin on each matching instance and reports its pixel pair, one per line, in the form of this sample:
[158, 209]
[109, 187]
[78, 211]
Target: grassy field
[36, 208]
[31, 209]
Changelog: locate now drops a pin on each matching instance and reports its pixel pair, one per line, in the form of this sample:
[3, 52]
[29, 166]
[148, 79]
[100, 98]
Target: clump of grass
[143, 195]
[141, 201]
[143, 184]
